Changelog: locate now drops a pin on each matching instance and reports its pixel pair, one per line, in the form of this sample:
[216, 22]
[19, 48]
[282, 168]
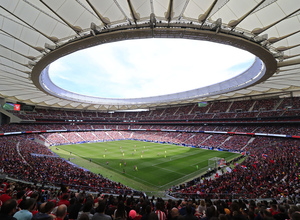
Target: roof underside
[30, 30]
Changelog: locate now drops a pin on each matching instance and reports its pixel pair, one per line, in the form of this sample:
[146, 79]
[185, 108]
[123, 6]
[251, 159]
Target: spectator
[282, 215]
[292, 210]
[175, 213]
[64, 200]
[189, 213]
[86, 209]
[61, 212]
[8, 209]
[84, 216]
[120, 213]
[6, 196]
[202, 207]
[159, 210]
[74, 209]
[25, 213]
[152, 216]
[99, 215]
[44, 211]
[147, 213]
[295, 216]
[137, 211]
[182, 209]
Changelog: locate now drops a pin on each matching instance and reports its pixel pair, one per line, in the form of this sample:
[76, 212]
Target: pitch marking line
[169, 170]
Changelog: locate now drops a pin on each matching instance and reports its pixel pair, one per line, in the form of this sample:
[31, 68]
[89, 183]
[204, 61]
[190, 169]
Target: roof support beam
[203, 17]
[184, 8]
[104, 20]
[276, 39]
[169, 14]
[134, 15]
[4, 71]
[258, 31]
[289, 63]
[1, 64]
[28, 57]
[22, 64]
[120, 8]
[151, 5]
[76, 29]
[53, 39]
[39, 49]
[287, 48]
[235, 23]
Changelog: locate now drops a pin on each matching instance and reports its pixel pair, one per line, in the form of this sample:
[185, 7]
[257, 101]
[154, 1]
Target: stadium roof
[34, 33]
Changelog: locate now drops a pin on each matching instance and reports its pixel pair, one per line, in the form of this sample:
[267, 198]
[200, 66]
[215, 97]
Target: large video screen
[12, 106]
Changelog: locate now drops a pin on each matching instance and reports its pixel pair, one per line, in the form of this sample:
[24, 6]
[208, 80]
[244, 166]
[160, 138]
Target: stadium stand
[259, 121]
[227, 136]
[269, 169]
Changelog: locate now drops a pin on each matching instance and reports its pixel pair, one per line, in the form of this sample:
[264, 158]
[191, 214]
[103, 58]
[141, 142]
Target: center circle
[148, 67]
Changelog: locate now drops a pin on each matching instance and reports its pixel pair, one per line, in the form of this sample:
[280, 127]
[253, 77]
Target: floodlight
[31, 63]
[50, 47]
[95, 29]
[217, 25]
[152, 20]
[260, 38]
[279, 55]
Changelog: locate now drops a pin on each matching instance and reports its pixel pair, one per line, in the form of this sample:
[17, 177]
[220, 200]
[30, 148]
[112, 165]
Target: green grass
[174, 164]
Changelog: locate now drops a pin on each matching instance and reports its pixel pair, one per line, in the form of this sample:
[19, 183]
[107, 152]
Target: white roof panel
[27, 25]
[142, 7]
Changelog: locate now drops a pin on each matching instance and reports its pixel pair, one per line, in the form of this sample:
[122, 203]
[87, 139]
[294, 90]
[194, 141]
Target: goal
[216, 162]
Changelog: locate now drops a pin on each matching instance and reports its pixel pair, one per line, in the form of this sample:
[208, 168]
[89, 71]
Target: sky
[148, 67]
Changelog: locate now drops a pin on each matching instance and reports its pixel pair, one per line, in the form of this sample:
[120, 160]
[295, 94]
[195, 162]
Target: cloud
[149, 67]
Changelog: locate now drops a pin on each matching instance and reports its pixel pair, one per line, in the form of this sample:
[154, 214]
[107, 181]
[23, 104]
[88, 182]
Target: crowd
[215, 140]
[270, 171]
[236, 142]
[275, 107]
[23, 202]
[276, 172]
[24, 160]
[189, 136]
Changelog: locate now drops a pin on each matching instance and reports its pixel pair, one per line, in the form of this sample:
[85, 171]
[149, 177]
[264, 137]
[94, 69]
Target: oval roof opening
[148, 67]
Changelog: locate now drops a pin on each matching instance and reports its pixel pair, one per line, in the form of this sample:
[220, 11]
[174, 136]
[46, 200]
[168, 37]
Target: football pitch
[144, 166]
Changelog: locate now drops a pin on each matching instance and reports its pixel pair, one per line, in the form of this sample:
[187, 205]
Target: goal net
[216, 162]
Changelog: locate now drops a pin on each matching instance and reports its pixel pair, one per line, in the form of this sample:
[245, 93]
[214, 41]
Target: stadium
[237, 139]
